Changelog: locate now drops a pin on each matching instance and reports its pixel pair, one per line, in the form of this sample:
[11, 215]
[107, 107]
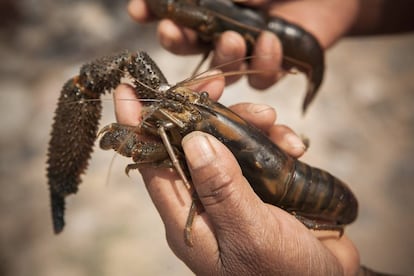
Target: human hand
[237, 233]
[327, 20]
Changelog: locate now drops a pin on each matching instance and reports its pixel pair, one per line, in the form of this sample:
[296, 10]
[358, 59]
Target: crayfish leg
[189, 224]
[163, 163]
[196, 207]
[311, 224]
[175, 162]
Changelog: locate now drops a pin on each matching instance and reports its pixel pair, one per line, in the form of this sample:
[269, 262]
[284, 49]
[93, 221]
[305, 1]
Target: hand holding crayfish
[237, 234]
[278, 34]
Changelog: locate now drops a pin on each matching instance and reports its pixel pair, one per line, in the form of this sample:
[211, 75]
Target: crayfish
[315, 197]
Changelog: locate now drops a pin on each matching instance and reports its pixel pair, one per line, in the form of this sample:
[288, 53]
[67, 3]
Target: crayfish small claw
[104, 129]
[129, 167]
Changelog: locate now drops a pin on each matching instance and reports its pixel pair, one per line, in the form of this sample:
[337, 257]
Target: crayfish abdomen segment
[315, 193]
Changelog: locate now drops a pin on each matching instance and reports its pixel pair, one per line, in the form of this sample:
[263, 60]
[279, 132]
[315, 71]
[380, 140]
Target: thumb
[225, 194]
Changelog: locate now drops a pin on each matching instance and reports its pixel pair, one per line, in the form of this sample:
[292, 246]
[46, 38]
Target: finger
[172, 201]
[260, 115]
[267, 58]
[287, 140]
[178, 40]
[127, 106]
[170, 197]
[220, 185]
[230, 48]
[313, 15]
[344, 250]
[139, 11]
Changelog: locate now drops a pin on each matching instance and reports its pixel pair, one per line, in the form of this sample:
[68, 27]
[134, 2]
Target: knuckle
[216, 187]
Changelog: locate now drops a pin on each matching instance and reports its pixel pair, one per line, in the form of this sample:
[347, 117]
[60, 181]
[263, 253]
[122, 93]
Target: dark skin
[238, 233]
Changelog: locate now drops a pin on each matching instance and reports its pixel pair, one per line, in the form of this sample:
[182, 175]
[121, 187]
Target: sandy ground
[361, 128]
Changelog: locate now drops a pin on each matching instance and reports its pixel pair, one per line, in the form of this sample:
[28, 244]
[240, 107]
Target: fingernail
[198, 150]
[268, 38]
[227, 51]
[294, 141]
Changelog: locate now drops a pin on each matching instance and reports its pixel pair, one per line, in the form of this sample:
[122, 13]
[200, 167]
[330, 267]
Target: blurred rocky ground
[361, 128]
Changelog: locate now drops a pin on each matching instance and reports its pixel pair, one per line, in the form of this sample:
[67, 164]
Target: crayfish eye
[204, 97]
